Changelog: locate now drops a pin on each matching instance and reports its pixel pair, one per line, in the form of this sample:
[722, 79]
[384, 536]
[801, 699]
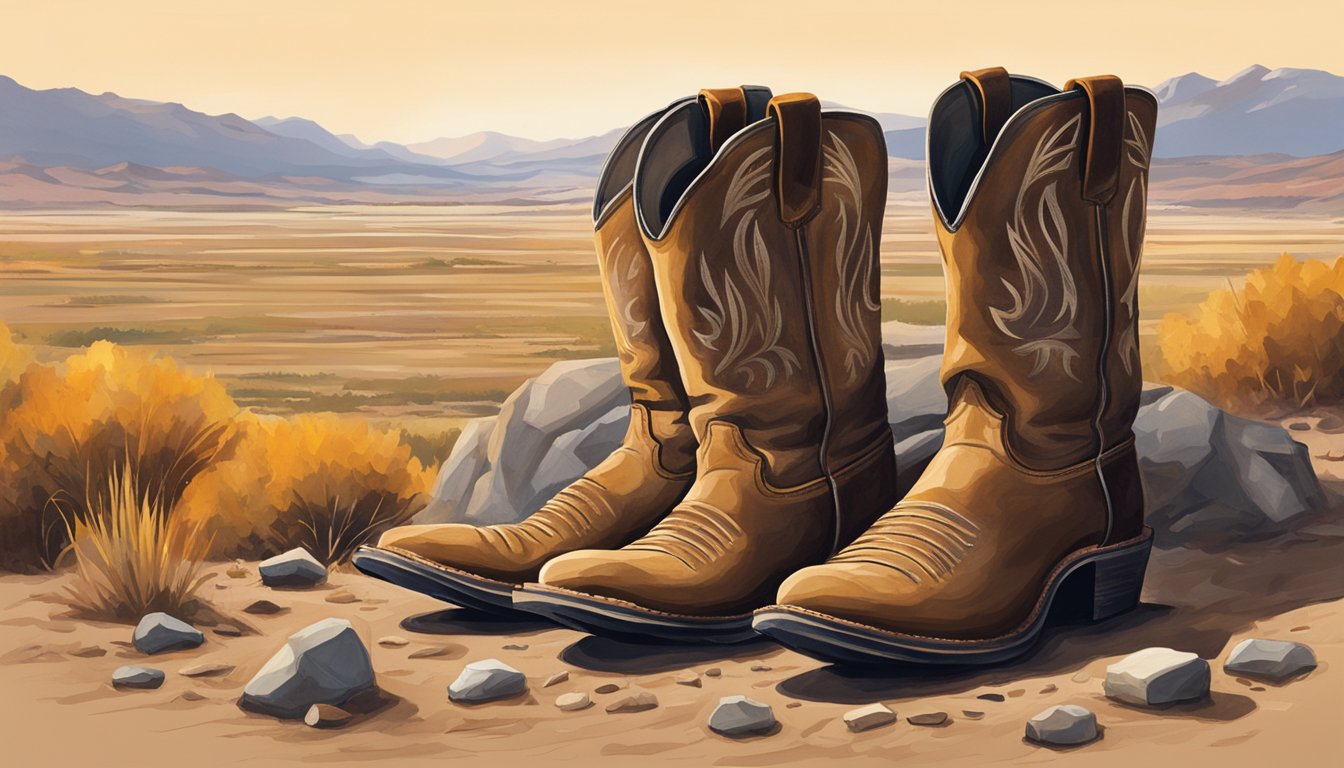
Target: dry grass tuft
[1275, 344]
[131, 556]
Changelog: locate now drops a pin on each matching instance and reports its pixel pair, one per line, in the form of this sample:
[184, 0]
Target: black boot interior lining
[957, 148]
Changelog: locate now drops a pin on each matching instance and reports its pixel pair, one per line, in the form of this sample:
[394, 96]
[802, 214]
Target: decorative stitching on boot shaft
[745, 321]
[1137, 151]
[1044, 321]
[854, 255]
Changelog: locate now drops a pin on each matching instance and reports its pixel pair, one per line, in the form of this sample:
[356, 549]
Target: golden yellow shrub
[131, 556]
[319, 481]
[64, 429]
[14, 357]
[1276, 343]
[72, 434]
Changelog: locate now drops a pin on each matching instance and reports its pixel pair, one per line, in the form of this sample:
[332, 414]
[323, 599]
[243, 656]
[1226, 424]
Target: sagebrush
[262, 485]
[1275, 344]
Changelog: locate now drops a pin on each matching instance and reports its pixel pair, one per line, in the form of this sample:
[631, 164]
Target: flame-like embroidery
[1044, 321]
[624, 266]
[854, 255]
[744, 318]
[1133, 219]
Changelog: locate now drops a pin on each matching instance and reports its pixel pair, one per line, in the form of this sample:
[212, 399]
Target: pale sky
[412, 70]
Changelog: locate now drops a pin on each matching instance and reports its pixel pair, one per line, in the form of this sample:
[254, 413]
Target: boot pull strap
[797, 156]
[995, 89]
[726, 109]
[1105, 135]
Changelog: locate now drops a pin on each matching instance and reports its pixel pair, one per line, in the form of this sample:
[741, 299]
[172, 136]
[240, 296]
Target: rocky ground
[60, 707]
[1249, 519]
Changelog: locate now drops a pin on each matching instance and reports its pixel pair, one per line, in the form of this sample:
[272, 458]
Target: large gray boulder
[324, 663]
[1207, 475]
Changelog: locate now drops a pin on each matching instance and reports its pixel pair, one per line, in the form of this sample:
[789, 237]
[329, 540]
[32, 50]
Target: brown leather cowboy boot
[637, 485]
[766, 259]
[1034, 498]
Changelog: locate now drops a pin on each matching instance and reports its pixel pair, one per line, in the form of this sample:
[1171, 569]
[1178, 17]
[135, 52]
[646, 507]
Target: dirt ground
[59, 708]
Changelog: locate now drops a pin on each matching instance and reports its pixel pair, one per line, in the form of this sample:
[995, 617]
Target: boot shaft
[1039, 198]
[765, 252]
[648, 363]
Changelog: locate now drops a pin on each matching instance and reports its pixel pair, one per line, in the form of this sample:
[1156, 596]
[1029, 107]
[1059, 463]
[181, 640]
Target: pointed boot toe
[633, 594]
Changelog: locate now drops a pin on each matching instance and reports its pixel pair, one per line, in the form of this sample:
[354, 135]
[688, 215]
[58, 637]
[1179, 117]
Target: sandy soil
[60, 709]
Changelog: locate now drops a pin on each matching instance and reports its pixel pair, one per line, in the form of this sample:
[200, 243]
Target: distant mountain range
[100, 144]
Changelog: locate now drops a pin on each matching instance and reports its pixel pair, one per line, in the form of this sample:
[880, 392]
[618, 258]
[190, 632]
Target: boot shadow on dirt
[605, 654]
[1194, 600]
[465, 621]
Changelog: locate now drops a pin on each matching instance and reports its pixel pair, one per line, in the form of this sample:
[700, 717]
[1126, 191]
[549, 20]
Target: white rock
[1156, 676]
[1273, 660]
[487, 680]
[295, 568]
[1065, 726]
[324, 663]
[739, 716]
[869, 717]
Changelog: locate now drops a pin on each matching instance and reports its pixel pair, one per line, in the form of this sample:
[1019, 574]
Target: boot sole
[465, 590]
[608, 617]
[1102, 582]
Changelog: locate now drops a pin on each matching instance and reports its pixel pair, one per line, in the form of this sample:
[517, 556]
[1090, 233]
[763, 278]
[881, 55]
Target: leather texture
[775, 320]
[1042, 371]
[634, 487]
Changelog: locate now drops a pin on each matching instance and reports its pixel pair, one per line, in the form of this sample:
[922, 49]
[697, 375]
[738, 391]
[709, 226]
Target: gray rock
[739, 716]
[916, 401]
[324, 663]
[1066, 725]
[1211, 476]
[137, 677]
[1157, 676]
[159, 632]
[487, 680]
[869, 717]
[295, 568]
[467, 462]
[1273, 660]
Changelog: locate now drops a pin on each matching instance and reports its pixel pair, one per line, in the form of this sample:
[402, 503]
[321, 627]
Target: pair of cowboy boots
[757, 239]
[738, 237]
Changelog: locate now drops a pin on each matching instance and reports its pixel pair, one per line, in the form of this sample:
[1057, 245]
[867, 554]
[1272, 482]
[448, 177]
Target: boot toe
[858, 592]
[462, 547]
[650, 580]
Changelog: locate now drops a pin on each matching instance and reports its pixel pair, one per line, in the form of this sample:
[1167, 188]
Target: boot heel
[1118, 580]
[1108, 584]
